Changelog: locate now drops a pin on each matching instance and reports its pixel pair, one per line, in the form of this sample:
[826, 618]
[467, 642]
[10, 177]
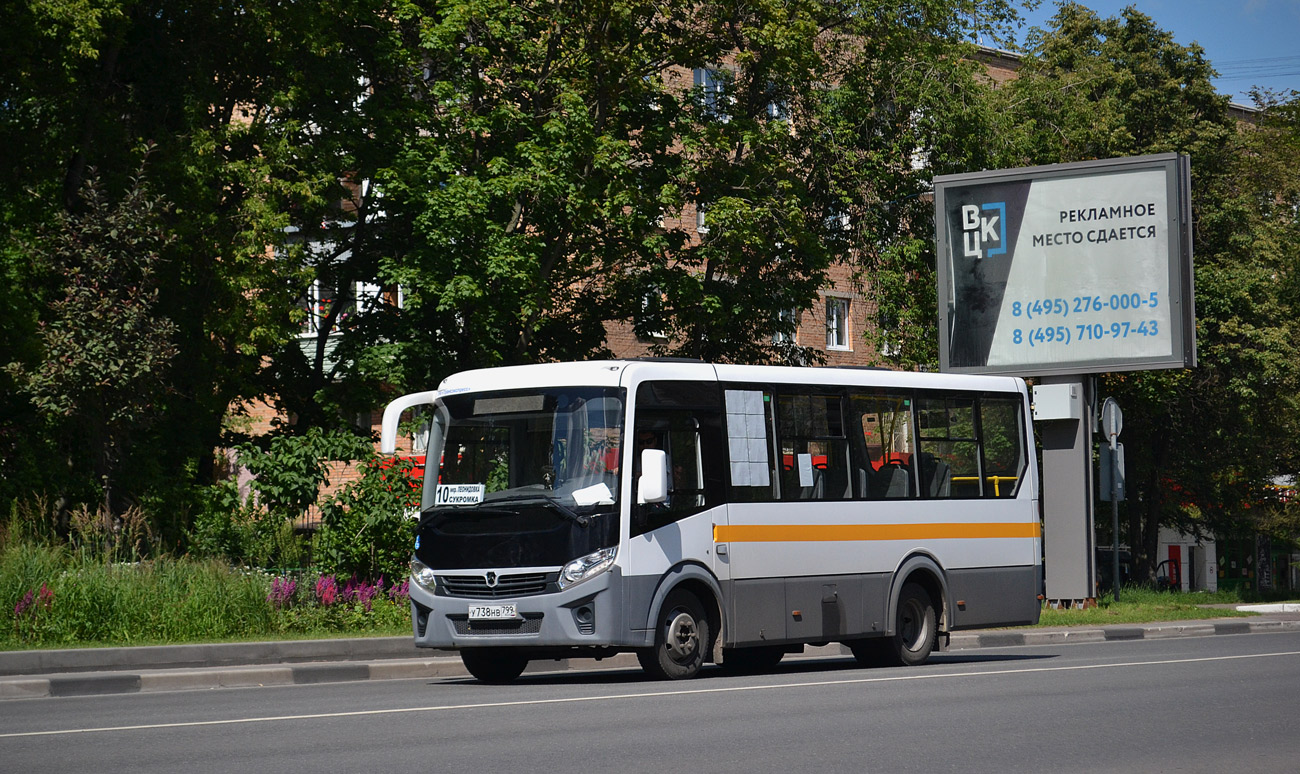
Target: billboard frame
[1181, 292]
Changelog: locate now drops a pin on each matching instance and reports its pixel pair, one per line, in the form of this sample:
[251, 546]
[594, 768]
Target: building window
[713, 91]
[357, 299]
[837, 323]
[701, 225]
[649, 325]
[789, 327]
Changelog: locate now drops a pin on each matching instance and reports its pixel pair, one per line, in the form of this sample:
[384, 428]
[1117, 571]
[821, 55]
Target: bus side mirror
[652, 486]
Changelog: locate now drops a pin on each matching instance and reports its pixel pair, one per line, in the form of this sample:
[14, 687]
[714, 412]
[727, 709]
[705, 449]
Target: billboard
[1066, 269]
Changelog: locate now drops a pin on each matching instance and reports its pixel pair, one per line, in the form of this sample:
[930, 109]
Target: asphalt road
[1212, 704]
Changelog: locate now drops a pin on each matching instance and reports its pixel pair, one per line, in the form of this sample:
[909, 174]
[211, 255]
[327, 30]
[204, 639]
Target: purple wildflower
[400, 592]
[282, 591]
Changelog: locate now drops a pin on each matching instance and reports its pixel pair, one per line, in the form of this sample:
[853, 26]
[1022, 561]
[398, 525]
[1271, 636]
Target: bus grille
[530, 624]
[476, 586]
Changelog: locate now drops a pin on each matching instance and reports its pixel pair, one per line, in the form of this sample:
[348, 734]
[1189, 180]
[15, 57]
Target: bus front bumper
[584, 615]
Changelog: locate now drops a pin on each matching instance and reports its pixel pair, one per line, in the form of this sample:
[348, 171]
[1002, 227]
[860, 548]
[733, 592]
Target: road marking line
[649, 695]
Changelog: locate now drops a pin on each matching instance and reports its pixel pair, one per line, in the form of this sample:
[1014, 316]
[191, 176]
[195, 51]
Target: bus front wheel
[916, 630]
[493, 665]
[681, 639]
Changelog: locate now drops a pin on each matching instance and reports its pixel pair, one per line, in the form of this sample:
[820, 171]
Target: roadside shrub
[242, 534]
[289, 470]
[365, 528]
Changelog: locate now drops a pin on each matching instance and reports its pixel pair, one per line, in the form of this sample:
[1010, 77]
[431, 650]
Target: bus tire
[681, 639]
[493, 665]
[916, 630]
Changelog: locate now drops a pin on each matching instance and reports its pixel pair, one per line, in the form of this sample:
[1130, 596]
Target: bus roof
[613, 373]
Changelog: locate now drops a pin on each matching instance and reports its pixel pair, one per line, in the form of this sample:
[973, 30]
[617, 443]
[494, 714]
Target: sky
[1250, 42]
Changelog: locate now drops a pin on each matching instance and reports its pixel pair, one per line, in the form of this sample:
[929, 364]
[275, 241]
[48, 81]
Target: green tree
[551, 157]
[1202, 444]
[235, 100]
[105, 349]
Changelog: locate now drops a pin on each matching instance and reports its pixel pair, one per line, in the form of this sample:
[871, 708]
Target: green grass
[92, 603]
[1144, 605]
[54, 598]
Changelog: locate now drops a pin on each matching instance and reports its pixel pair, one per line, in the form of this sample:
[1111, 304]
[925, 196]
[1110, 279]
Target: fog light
[585, 617]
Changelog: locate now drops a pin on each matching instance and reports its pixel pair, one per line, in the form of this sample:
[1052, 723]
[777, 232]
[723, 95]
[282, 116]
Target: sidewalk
[97, 671]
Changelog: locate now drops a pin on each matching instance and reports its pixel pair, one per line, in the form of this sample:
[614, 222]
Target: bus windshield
[523, 478]
[562, 445]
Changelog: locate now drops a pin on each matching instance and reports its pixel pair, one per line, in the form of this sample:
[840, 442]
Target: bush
[242, 534]
[365, 530]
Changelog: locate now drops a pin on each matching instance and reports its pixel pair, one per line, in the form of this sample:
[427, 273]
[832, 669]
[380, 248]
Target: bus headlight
[423, 575]
[589, 566]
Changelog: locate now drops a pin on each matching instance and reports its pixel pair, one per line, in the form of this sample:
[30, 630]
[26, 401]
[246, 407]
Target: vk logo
[984, 229]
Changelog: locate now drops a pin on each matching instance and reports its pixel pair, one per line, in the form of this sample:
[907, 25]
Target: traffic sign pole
[1112, 422]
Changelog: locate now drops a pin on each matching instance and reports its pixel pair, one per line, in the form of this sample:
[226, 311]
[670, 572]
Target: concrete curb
[1155, 631]
[31, 662]
[101, 671]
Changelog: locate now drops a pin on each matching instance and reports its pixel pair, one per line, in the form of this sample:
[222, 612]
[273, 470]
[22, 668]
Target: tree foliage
[1203, 444]
[106, 351]
[85, 86]
[552, 160]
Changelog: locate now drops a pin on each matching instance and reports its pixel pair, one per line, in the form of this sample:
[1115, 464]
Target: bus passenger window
[1002, 432]
[814, 451]
[749, 446]
[948, 465]
[883, 463]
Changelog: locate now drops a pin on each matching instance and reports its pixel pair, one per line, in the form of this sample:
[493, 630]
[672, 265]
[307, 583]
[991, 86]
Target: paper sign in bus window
[747, 438]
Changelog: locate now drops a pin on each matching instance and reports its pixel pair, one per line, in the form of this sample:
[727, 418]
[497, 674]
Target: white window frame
[365, 298]
[838, 330]
[714, 91]
[787, 338]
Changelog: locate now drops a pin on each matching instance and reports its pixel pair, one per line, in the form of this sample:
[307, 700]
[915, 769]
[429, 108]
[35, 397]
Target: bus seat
[935, 476]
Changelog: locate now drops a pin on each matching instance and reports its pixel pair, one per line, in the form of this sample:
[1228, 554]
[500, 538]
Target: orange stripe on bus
[791, 533]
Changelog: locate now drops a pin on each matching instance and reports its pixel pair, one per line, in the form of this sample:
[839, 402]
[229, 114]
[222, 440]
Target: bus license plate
[492, 612]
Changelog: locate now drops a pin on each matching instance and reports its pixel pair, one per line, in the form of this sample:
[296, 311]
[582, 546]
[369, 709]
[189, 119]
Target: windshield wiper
[540, 499]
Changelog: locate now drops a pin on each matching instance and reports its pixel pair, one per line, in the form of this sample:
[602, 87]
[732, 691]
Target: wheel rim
[912, 625]
[683, 636]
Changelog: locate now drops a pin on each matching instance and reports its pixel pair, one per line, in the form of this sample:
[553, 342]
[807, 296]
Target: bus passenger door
[683, 419]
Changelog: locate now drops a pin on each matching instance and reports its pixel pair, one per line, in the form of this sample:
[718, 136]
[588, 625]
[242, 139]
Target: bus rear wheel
[493, 665]
[682, 638]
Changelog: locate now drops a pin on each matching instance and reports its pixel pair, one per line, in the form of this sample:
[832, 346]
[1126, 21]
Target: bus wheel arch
[918, 609]
[684, 586]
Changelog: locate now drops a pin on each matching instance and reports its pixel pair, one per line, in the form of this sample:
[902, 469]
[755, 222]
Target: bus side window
[1002, 434]
[883, 460]
[814, 449]
[948, 465]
